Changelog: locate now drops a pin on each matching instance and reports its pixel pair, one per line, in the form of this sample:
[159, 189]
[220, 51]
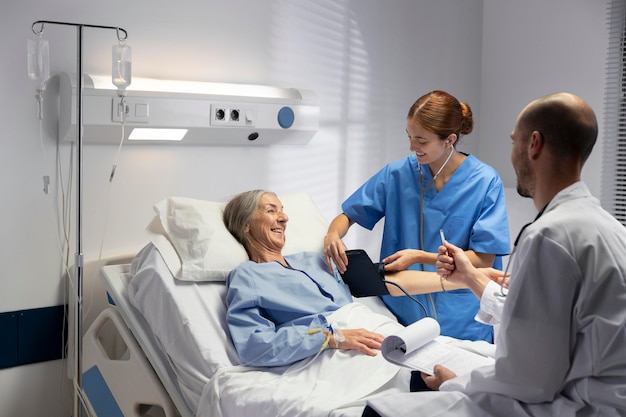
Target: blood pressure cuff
[364, 277]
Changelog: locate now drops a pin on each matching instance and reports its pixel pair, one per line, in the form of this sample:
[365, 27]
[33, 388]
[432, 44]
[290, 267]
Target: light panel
[146, 133]
[153, 110]
[102, 82]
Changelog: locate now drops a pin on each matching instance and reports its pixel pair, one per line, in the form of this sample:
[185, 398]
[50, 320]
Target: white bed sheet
[334, 383]
[188, 319]
[115, 279]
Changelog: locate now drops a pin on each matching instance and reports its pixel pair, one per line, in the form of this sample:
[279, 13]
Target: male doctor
[561, 349]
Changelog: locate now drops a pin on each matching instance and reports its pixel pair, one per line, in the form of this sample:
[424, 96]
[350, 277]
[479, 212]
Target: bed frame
[126, 375]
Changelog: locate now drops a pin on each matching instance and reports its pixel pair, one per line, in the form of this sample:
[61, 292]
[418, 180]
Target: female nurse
[436, 188]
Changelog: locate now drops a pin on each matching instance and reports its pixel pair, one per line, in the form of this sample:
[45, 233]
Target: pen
[443, 238]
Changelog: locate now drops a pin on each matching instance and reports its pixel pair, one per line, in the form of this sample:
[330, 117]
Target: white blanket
[334, 383]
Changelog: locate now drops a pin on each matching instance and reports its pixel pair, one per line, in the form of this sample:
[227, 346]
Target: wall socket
[232, 115]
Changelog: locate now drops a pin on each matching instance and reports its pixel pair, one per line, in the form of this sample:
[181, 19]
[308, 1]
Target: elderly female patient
[278, 305]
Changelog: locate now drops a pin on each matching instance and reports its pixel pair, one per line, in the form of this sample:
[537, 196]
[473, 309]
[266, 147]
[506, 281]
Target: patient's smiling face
[267, 227]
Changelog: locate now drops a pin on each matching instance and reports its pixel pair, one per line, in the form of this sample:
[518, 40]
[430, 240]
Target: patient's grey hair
[239, 212]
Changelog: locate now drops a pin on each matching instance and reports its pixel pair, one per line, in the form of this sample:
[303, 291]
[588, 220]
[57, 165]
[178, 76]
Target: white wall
[366, 61]
[376, 59]
[537, 47]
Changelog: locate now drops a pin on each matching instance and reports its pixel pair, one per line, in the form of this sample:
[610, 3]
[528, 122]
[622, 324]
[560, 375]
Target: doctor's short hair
[239, 212]
[567, 123]
[441, 113]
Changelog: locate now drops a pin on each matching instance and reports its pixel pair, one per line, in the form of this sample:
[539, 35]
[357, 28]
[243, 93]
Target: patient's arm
[419, 282]
[403, 259]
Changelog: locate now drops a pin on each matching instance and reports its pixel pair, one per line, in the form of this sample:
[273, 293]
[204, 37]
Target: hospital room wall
[529, 49]
[367, 61]
[533, 48]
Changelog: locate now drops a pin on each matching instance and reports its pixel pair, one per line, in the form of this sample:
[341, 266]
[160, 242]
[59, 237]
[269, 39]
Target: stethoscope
[519, 235]
[423, 188]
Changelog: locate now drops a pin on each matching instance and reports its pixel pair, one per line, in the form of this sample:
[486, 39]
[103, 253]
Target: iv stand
[79, 256]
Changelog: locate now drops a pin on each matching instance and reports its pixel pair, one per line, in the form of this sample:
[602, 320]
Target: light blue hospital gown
[271, 308]
[471, 210]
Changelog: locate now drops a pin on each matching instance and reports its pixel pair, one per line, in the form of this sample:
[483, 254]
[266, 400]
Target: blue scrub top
[471, 210]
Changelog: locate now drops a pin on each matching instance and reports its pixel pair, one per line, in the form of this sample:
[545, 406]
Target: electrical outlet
[232, 114]
[135, 110]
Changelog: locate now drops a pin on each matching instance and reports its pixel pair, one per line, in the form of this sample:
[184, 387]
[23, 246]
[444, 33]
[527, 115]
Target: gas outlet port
[233, 114]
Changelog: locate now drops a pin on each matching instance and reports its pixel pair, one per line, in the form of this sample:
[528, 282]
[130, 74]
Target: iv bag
[39, 61]
[121, 66]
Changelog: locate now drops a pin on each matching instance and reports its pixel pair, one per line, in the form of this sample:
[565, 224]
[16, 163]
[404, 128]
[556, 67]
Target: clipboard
[364, 277]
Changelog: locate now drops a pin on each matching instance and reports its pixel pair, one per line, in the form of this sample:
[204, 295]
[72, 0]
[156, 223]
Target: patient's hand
[442, 374]
[360, 339]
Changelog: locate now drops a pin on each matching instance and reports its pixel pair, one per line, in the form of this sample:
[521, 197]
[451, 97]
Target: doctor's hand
[454, 266]
[496, 276]
[441, 375]
[453, 263]
[445, 262]
[446, 265]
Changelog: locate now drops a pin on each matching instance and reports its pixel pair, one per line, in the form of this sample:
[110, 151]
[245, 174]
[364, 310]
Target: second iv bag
[39, 62]
[122, 66]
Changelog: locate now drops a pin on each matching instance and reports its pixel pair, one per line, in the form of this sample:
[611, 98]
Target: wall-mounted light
[101, 82]
[143, 133]
[211, 113]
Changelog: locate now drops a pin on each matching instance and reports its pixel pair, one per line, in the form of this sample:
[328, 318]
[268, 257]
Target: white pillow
[191, 236]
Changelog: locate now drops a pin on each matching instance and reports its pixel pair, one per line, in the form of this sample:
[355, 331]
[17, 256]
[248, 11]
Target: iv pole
[79, 256]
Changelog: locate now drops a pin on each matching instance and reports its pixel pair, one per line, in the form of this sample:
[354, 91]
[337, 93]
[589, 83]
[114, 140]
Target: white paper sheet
[417, 347]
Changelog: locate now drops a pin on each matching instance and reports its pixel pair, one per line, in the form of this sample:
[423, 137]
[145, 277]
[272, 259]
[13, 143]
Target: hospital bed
[163, 348]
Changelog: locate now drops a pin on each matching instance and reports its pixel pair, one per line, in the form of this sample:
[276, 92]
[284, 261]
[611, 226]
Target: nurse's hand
[441, 375]
[402, 259]
[335, 251]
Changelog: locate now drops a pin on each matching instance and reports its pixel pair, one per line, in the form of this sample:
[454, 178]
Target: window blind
[613, 192]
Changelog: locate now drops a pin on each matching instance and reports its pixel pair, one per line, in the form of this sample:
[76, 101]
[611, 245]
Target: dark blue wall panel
[8, 339]
[31, 336]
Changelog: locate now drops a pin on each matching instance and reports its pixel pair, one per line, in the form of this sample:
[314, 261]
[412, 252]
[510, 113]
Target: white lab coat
[561, 350]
